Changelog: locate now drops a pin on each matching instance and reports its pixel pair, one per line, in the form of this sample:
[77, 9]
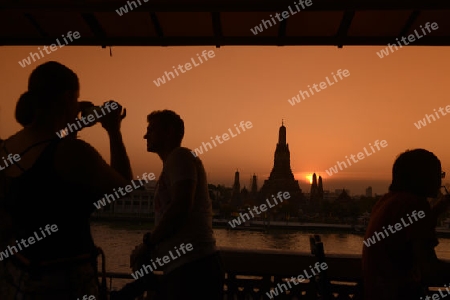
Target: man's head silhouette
[417, 171]
[165, 131]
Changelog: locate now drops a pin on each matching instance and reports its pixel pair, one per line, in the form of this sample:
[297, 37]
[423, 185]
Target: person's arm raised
[111, 122]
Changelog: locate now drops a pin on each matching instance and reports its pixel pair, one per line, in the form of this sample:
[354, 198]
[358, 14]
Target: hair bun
[25, 109]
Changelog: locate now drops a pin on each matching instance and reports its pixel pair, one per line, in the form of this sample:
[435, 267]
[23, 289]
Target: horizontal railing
[250, 274]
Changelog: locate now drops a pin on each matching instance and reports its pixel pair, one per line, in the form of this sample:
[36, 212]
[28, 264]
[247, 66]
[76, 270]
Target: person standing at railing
[398, 252]
[56, 181]
[183, 212]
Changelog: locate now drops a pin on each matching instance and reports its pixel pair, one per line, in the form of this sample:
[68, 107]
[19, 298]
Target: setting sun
[309, 178]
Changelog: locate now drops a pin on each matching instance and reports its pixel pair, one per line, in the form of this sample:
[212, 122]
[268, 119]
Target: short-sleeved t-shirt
[389, 269]
[181, 165]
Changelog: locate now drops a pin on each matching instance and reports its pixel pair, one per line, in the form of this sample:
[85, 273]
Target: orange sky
[380, 100]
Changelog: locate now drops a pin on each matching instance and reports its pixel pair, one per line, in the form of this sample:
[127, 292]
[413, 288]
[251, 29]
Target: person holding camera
[56, 181]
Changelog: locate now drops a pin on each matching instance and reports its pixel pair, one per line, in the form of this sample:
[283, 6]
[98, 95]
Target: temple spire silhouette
[236, 199]
[254, 188]
[281, 177]
[314, 188]
[320, 188]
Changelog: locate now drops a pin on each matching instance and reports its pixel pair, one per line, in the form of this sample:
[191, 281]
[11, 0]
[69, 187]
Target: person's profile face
[72, 104]
[437, 183]
[155, 136]
[66, 109]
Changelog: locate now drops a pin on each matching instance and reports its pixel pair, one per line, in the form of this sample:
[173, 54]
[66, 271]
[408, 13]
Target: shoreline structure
[233, 223]
[128, 189]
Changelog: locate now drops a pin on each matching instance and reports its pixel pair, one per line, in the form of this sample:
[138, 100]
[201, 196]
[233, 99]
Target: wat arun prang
[282, 179]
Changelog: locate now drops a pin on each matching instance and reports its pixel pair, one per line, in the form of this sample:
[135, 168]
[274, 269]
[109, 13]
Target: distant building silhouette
[369, 192]
[241, 198]
[254, 190]
[314, 189]
[236, 199]
[316, 195]
[339, 191]
[281, 177]
[320, 188]
[344, 197]
[138, 203]
[251, 198]
[245, 195]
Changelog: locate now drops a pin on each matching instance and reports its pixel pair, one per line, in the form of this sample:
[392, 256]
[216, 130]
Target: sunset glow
[128, 75]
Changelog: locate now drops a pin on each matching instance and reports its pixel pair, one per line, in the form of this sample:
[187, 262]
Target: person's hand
[141, 255]
[114, 114]
[147, 240]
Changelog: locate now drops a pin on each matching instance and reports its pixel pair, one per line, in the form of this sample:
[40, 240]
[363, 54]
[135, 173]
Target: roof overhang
[222, 22]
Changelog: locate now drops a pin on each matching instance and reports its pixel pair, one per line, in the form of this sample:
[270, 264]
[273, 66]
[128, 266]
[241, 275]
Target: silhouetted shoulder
[79, 162]
[71, 144]
[74, 155]
[180, 153]
[183, 151]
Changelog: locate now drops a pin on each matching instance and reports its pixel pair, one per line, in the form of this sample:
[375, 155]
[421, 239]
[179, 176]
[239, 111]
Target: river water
[118, 241]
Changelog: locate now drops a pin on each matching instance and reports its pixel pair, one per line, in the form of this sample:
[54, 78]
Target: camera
[92, 114]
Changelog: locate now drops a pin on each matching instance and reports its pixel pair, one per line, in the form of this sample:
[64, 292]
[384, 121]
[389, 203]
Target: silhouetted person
[56, 182]
[183, 216]
[398, 253]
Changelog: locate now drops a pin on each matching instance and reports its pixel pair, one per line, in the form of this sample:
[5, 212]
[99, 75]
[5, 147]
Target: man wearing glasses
[396, 266]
